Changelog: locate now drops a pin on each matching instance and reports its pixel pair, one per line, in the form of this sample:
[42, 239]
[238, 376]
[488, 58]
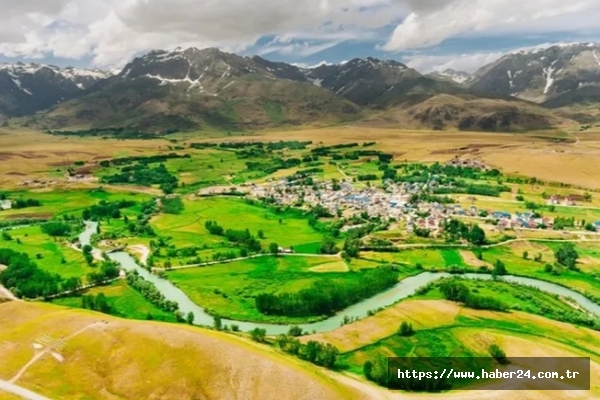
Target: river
[405, 288]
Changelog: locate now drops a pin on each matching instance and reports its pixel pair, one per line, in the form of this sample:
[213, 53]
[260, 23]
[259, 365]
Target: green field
[452, 258]
[229, 289]
[516, 297]
[582, 281]
[428, 258]
[61, 201]
[188, 228]
[47, 253]
[125, 301]
[469, 333]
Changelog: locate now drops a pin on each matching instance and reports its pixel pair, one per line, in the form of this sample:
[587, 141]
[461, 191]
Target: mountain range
[189, 89]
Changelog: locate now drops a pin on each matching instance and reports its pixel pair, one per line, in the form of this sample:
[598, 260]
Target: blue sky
[425, 34]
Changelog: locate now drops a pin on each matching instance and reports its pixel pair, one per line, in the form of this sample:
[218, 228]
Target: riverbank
[404, 289]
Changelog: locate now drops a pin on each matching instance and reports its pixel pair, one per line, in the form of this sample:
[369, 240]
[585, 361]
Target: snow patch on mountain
[548, 76]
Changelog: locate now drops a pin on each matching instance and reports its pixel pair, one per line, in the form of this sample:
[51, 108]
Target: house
[597, 226]
[501, 215]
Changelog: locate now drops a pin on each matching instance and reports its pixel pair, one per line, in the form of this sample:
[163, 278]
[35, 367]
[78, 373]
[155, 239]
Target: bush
[498, 354]
[258, 335]
[406, 329]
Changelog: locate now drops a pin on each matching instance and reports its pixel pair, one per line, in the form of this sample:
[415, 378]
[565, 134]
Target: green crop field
[428, 258]
[229, 289]
[125, 302]
[188, 228]
[47, 253]
[61, 201]
[452, 257]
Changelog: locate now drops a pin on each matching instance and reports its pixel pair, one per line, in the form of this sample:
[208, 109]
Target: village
[394, 202]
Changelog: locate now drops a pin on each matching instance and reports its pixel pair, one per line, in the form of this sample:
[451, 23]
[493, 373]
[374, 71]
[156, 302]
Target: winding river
[407, 287]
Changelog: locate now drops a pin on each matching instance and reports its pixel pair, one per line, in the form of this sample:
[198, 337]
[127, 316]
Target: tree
[101, 304]
[190, 318]
[499, 268]
[525, 255]
[498, 354]
[295, 330]
[87, 249]
[217, 322]
[261, 234]
[328, 246]
[476, 235]
[406, 329]
[567, 256]
[55, 228]
[352, 247]
[258, 335]
[274, 248]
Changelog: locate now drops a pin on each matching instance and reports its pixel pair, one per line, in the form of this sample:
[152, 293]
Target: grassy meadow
[229, 289]
[123, 300]
[188, 228]
[54, 256]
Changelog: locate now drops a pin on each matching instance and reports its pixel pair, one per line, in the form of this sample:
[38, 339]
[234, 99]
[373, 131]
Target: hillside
[27, 88]
[554, 76]
[95, 356]
[196, 89]
[470, 113]
[192, 89]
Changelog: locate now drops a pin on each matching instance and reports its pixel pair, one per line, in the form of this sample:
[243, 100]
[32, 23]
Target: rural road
[20, 391]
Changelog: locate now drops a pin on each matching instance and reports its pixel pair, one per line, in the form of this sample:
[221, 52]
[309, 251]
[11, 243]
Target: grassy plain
[229, 289]
[60, 201]
[124, 301]
[51, 253]
[188, 228]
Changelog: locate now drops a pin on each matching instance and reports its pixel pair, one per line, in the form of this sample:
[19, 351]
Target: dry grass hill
[71, 354]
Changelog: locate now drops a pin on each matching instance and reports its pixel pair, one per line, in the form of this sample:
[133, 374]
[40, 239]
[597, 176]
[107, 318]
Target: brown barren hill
[74, 354]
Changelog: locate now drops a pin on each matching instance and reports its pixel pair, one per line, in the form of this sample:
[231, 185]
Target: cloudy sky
[426, 34]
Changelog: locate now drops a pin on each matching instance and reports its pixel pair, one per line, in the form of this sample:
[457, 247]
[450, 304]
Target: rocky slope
[191, 88]
[28, 88]
[470, 113]
[459, 77]
[556, 76]
[188, 89]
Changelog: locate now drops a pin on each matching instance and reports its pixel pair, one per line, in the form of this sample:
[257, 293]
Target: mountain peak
[556, 74]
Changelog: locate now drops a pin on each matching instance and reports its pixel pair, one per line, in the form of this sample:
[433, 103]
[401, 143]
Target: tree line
[150, 292]
[456, 230]
[25, 203]
[327, 297]
[106, 210]
[240, 237]
[145, 175]
[322, 354]
[26, 280]
[454, 290]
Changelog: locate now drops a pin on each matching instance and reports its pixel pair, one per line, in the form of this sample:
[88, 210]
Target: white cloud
[112, 31]
[302, 49]
[430, 23]
[461, 62]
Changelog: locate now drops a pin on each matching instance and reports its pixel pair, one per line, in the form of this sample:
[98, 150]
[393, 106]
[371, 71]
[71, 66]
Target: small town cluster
[394, 201]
